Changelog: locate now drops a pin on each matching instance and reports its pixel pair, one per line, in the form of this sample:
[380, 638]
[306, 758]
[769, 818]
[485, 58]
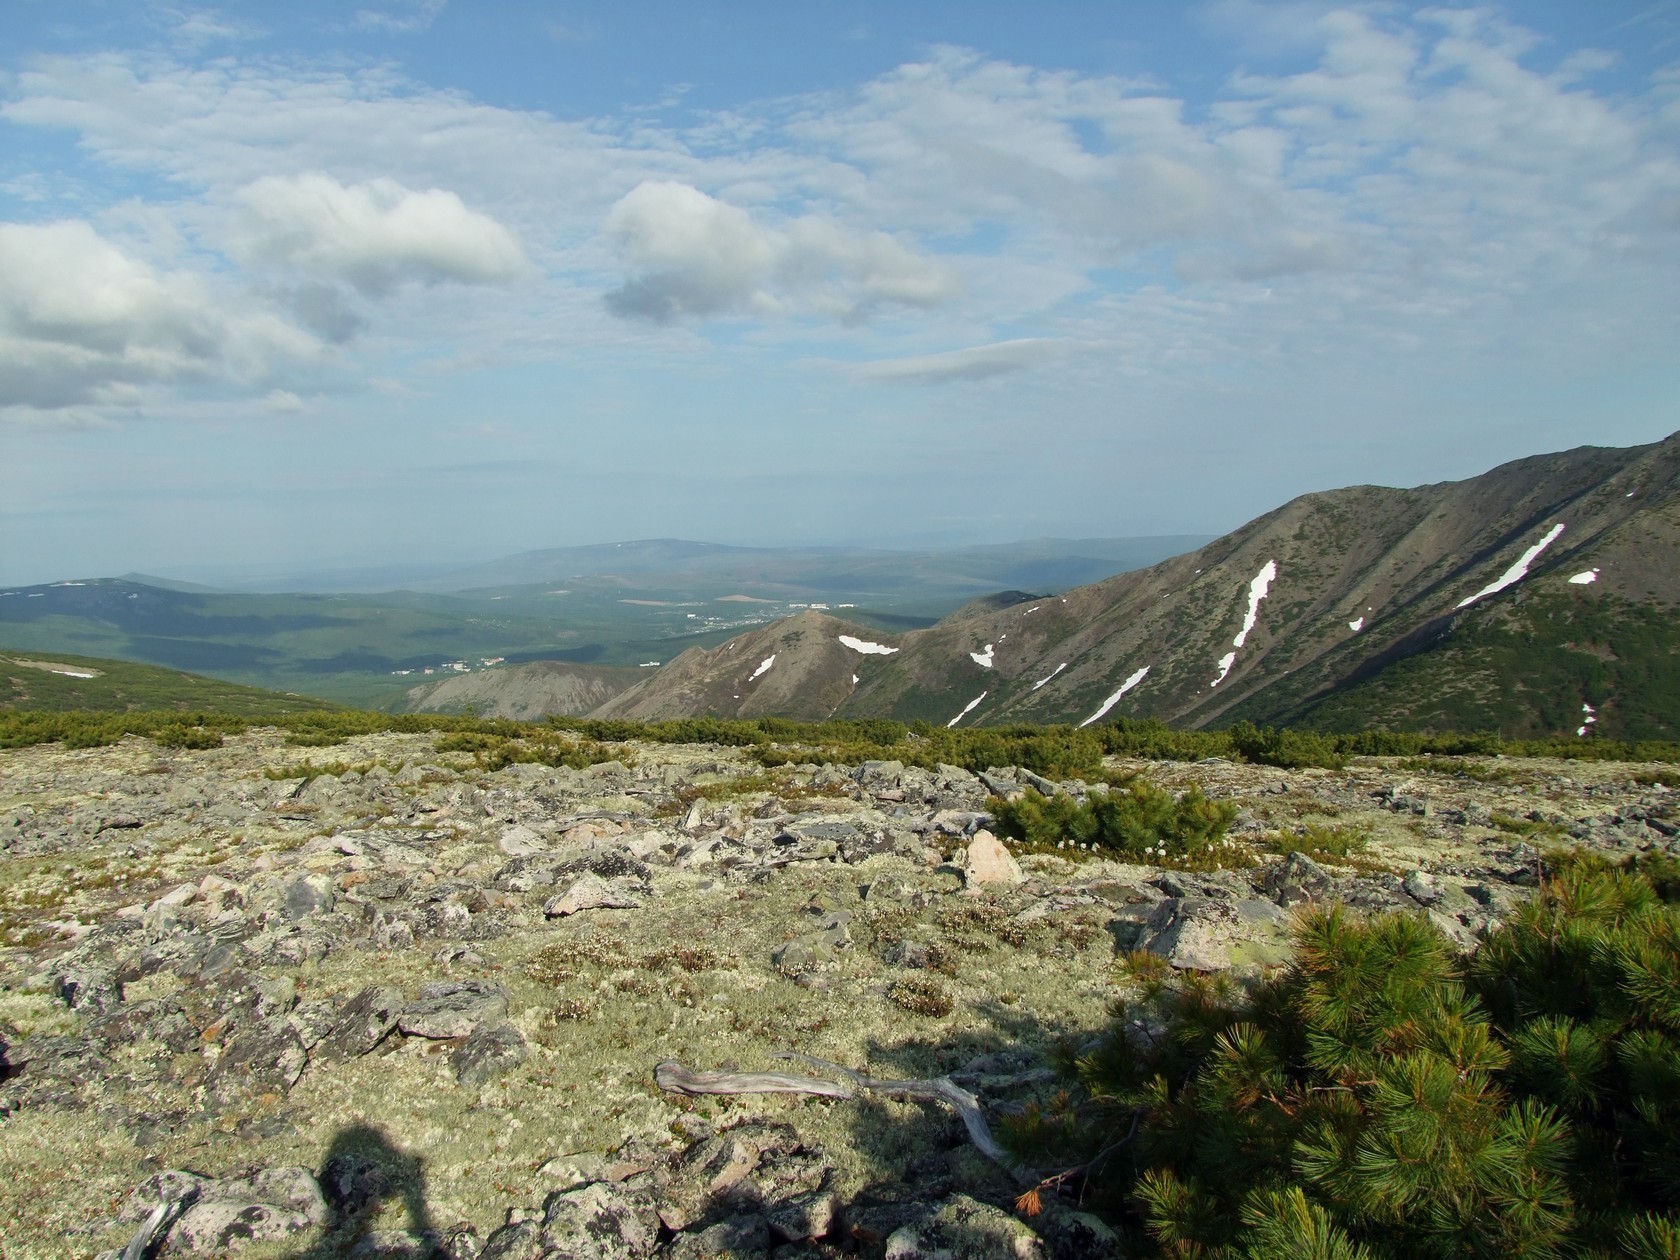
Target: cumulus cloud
[694, 255]
[972, 363]
[82, 322]
[374, 235]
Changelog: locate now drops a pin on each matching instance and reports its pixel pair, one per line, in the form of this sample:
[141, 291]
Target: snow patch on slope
[1588, 720]
[983, 658]
[763, 667]
[865, 646]
[972, 705]
[1518, 571]
[1584, 579]
[1049, 676]
[1108, 704]
[1257, 591]
[1357, 624]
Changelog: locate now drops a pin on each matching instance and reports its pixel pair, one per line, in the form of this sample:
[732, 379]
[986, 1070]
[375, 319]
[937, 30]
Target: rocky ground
[391, 1003]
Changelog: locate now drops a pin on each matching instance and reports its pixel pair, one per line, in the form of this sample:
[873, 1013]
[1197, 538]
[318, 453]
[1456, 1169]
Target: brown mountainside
[1326, 591]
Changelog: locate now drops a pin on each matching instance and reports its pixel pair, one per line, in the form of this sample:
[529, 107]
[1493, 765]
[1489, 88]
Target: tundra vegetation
[1377, 1089]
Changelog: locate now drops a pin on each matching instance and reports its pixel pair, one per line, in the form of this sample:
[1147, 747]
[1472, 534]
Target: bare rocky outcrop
[257, 978]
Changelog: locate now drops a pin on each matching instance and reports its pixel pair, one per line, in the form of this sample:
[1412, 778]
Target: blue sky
[317, 285]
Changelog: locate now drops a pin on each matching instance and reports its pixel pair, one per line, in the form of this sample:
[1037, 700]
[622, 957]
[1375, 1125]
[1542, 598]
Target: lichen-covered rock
[591, 892]
[965, 1229]
[453, 1008]
[226, 1214]
[1204, 934]
[600, 1221]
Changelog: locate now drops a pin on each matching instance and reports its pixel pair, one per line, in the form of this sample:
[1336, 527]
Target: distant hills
[61, 682]
[604, 607]
[1539, 598]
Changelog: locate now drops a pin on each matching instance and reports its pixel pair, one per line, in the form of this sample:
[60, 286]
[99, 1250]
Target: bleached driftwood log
[674, 1078]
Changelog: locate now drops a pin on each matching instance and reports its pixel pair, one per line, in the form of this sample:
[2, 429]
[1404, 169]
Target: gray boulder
[453, 1008]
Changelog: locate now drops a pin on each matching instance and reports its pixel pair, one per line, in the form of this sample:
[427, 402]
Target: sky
[310, 285]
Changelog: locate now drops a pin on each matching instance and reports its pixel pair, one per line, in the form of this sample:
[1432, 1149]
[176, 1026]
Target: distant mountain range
[1538, 598]
[615, 606]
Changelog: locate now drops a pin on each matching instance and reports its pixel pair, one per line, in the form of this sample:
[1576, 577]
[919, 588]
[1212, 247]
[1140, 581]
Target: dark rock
[490, 1051]
[307, 895]
[351, 1183]
[911, 954]
[263, 1059]
[522, 1240]
[608, 864]
[1074, 1235]
[363, 1022]
[737, 1236]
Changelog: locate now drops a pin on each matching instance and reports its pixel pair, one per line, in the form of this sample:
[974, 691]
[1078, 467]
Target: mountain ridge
[1325, 593]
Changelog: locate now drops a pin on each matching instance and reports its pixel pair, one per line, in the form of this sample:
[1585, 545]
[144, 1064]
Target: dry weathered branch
[674, 1078]
[153, 1225]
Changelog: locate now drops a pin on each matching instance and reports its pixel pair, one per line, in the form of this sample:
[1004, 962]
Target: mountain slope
[528, 692]
[1341, 608]
[36, 682]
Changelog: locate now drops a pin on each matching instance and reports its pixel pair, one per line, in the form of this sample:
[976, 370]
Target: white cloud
[82, 322]
[406, 17]
[1422, 189]
[694, 255]
[374, 235]
[974, 363]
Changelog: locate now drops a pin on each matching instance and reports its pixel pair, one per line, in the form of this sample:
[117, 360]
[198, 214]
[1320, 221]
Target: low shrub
[1384, 1097]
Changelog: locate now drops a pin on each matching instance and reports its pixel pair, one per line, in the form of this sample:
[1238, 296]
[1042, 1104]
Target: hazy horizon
[427, 283]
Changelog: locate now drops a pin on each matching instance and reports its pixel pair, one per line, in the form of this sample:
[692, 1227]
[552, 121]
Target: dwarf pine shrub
[1137, 820]
[1382, 1097]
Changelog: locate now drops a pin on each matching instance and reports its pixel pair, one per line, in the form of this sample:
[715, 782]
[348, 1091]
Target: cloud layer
[1438, 187]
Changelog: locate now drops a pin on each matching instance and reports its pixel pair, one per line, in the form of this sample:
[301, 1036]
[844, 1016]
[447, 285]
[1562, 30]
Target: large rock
[988, 862]
[453, 1008]
[1204, 934]
[227, 1214]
